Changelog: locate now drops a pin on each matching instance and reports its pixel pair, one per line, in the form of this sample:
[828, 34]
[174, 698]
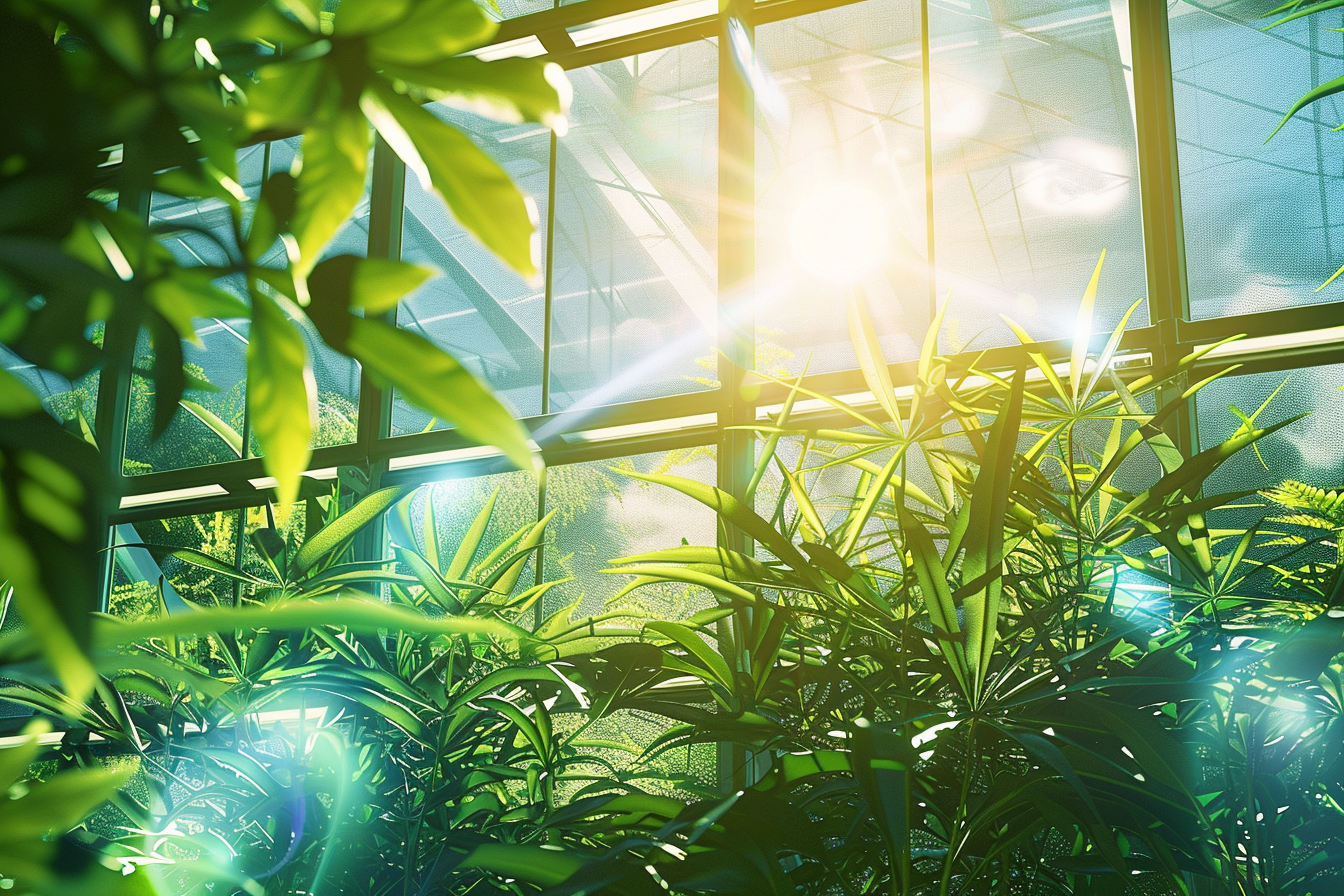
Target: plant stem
[955, 833]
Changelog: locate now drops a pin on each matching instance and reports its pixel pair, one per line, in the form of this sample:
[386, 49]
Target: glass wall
[1027, 172]
[1262, 219]
[634, 289]
[1035, 167]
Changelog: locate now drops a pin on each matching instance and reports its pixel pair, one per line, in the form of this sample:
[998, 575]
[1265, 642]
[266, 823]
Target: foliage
[986, 643]
[1014, 658]
[173, 91]
[427, 743]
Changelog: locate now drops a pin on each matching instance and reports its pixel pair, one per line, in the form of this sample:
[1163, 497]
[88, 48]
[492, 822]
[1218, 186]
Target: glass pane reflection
[1035, 167]
[634, 292]
[1261, 230]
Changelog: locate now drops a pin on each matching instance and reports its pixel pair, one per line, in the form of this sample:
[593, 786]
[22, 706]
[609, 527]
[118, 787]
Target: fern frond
[1309, 502]
[1305, 520]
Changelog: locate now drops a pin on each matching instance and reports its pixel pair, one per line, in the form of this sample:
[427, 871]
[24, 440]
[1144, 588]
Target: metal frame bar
[1170, 335]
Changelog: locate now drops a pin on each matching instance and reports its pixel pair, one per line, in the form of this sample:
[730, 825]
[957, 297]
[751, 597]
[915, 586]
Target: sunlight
[839, 233]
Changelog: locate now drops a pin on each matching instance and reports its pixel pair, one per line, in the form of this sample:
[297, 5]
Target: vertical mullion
[926, 72]
[112, 413]
[539, 612]
[736, 311]
[1160, 197]
[240, 526]
[387, 196]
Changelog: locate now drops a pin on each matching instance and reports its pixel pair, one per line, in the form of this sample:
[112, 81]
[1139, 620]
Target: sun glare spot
[839, 233]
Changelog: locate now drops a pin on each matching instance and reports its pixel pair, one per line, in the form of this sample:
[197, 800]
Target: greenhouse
[621, 447]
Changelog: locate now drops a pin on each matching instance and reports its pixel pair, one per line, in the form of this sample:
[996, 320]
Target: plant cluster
[991, 635]
[987, 642]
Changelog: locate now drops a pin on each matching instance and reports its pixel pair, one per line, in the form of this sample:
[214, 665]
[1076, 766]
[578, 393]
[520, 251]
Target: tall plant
[116, 101]
[173, 90]
[998, 666]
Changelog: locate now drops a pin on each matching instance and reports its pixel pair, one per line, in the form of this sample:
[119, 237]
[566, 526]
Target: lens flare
[839, 233]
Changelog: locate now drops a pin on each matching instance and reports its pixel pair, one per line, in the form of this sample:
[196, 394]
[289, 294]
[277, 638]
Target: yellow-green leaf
[280, 394]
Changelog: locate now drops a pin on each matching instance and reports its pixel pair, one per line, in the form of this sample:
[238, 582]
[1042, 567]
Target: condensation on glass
[634, 285]
[1035, 167]
[477, 308]
[602, 514]
[1306, 450]
[1262, 219]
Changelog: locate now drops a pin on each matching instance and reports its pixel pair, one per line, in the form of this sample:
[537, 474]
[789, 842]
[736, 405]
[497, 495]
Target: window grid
[1169, 335]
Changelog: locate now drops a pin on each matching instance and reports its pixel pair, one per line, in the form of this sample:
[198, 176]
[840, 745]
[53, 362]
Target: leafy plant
[175, 90]
[1011, 658]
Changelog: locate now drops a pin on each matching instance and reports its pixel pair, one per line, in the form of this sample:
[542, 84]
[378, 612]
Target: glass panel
[602, 515]
[207, 427]
[478, 309]
[72, 403]
[1306, 451]
[839, 185]
[1035, 167]
[137, 573]
[634, 292]
[1259, 230]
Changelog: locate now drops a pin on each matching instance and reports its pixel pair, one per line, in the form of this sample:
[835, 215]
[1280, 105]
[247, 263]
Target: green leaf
[1329, 88]
[186, 294]
[280, 395]
[363, 16]
[927, 352]
[481, 195]
[434, 381]
[429, 578]
[863, 336]
[16, 399]
[331, 539]
[540, 865]
[330, 183]
[195, 558]
[341, 284]
[227, 433]
[272, 216]
[938, 601]
[363, 614]
[432, 30]
[982, 567]
[1107, 353]
[512, 90]
[1083, 331]
[471, 542]
[884, 782]
[690, 641]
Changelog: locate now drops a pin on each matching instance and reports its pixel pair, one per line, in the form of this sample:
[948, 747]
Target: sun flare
[839, 233]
